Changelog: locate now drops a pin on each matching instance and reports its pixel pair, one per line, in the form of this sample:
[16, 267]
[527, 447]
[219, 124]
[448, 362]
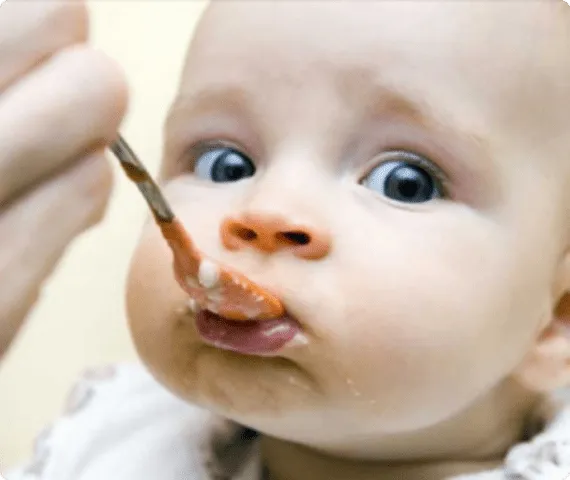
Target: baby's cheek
[408, 378]
[415, 343]
[155, 302]
[410, 375]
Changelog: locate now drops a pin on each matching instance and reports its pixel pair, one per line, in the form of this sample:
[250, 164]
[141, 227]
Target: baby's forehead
[372, 34]
[482, 66]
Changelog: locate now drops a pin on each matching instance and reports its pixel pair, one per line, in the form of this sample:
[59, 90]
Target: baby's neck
[475, 441]
[290, 462]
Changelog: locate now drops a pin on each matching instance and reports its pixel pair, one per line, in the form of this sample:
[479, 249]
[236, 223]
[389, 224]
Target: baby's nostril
[245, 233]
[297, 238]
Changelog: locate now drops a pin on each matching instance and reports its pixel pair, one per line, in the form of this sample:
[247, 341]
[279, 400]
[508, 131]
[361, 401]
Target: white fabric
[127, 427]
[121, 424]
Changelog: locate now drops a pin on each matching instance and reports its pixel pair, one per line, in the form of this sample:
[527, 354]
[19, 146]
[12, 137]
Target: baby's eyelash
[195, 151]
[413, 158]
[434, 170]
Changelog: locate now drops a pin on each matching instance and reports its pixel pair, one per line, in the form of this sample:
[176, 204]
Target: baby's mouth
[249, 337]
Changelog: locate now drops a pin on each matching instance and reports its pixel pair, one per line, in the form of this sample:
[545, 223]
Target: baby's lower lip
[263, 337]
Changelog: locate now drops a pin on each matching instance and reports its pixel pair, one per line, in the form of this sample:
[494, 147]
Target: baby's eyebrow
[191, 107]
[388, 101]
[206, 100]
[417, 111]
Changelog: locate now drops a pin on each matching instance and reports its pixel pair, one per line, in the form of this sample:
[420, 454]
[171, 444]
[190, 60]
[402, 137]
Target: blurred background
[80, 321]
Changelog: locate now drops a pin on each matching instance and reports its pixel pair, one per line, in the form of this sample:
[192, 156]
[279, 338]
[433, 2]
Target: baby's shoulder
[119, 422]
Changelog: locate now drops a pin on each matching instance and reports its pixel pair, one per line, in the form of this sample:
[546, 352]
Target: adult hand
[61, 104]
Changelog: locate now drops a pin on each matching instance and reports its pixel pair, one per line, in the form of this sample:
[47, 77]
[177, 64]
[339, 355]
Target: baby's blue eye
[223, 165]
[406, 177]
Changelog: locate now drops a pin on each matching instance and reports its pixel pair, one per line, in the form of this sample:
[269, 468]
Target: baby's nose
[271, 234]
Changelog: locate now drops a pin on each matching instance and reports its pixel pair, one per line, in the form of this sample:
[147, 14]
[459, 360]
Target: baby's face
[419, 142]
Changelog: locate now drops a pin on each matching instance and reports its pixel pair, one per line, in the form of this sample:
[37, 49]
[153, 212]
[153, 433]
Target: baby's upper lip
[291, 310]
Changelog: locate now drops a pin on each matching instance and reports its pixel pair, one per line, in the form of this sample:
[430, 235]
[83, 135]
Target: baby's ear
[547, 365]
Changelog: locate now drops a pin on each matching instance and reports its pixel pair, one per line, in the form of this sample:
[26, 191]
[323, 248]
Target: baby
[398, 174]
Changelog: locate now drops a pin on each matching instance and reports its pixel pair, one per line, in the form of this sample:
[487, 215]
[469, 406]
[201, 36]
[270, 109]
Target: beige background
[80, 320]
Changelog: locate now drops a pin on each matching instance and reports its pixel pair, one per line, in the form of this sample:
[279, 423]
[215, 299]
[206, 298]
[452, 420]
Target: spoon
[212, 286]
